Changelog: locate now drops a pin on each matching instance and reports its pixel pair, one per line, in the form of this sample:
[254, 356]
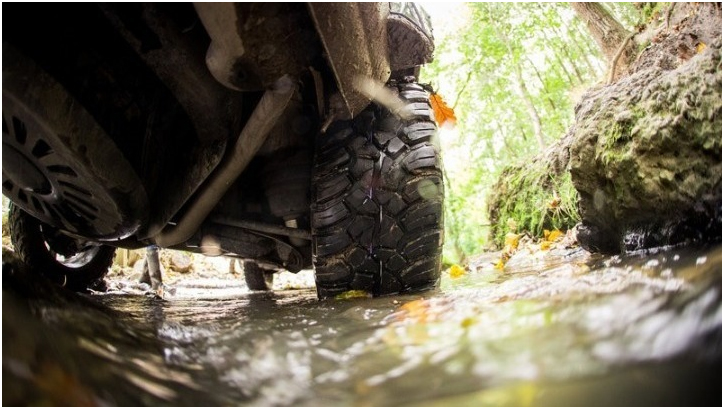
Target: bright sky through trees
[513, 72]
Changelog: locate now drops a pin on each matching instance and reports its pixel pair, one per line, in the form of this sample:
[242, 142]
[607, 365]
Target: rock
[180, 262]
[644, 154]
[646, 157]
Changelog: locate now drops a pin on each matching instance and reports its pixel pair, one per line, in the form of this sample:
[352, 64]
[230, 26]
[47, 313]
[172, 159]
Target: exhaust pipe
[252, 137]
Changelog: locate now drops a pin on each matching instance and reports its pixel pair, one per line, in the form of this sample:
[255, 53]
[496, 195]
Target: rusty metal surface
[354, 36]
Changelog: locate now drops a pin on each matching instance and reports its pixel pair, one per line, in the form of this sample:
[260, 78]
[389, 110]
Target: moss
[652, 11]
[642, 46]
[532, 198]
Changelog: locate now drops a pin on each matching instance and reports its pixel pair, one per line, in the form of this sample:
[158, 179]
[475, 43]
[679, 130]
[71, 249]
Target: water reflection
[572, 329]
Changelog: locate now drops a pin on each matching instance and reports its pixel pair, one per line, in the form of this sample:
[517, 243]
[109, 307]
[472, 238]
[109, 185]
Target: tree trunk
[568, 54]
[530, 107]
[543, 84]
[610, 36]
[560, 62]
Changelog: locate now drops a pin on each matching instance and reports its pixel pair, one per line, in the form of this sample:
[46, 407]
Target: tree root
[614, 62]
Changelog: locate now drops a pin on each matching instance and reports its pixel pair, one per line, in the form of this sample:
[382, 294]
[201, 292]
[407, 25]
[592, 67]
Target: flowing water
[567, 328]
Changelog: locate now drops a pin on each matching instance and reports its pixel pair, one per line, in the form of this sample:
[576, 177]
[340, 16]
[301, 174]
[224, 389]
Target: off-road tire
[377, 200]
[29, 242]
[258, 278]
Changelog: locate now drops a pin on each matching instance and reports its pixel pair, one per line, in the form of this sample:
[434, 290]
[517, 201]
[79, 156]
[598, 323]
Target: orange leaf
[419, 311]
[443, 113]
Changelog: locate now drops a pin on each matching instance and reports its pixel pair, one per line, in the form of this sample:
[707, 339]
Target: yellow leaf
[545, 245]
[467, 322]
[348, 295]
[552, 236]
[456, 271]
[500, 265]
[444, 115]
[511, 241]
[700, 47]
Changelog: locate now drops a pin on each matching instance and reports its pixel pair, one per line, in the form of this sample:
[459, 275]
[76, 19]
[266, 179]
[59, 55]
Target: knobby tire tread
[377, 200]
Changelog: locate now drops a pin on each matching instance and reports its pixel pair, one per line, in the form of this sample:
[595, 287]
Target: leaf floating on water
[351, 294]
[414, 307]
[456, 271]
[468, 322]
[444, 115]
[419, 311]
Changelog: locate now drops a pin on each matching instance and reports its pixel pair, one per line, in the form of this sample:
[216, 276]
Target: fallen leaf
[552, 235]
[456, 271]
[511, 241]
[419, 311]
[348, 295]
[444, 115]
[700, 47]
[545, 245]
[467, 322]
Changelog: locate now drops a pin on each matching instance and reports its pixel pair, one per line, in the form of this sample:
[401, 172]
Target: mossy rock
[646, 157]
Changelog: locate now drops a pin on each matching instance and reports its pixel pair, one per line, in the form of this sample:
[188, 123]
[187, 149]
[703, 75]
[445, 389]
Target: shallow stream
[565, 328]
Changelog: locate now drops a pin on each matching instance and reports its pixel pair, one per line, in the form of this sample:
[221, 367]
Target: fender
[366, 42]
[354, 36]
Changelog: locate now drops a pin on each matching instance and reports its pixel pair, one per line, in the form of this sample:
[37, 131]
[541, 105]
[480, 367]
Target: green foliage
[476, 70]
[629, 14]
[652, 11]
[533, 198]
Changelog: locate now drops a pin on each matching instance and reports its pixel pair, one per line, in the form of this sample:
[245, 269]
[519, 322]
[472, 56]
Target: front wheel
[70, 262]
[258, 278]
[377, 200]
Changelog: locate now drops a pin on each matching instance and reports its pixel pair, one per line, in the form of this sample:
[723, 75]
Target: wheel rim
[59, 164]
[78, 260]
